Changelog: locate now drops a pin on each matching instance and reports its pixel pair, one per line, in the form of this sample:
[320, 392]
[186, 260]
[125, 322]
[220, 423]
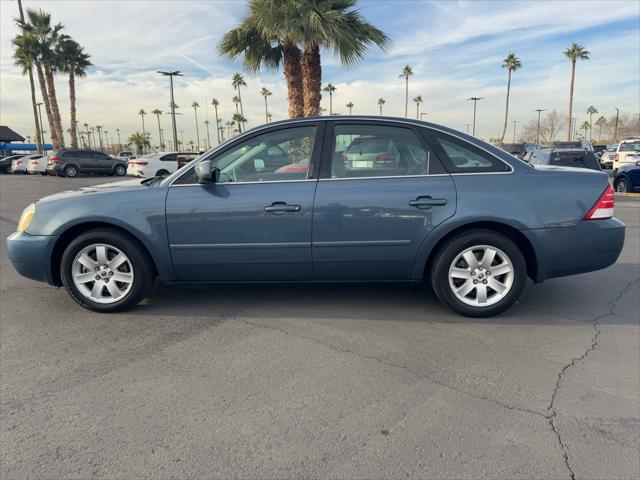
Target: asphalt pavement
[332, 381]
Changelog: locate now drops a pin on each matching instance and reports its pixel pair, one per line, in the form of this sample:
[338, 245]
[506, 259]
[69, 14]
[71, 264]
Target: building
[12, 142]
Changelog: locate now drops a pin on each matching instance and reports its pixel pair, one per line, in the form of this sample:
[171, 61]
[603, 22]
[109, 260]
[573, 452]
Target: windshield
[629, 147]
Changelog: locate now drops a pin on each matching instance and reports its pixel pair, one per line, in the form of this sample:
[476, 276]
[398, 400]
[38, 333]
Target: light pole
[573, 126]
[515, 123]
[475, 101]
[615, 132]
[41, 128]
[181, 138]
[172, 74]
[119, 142]
[538, 130]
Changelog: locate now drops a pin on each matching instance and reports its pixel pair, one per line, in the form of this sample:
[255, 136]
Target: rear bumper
[30, 255]
[588, 246]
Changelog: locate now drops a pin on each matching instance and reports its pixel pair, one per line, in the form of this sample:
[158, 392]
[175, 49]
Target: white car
[628, 153]
[19, 165]
[608, 156]
[153, 164]
[37, 164]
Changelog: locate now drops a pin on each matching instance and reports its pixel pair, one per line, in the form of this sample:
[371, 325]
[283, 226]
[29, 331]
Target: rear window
[368, 145]
[575, 159]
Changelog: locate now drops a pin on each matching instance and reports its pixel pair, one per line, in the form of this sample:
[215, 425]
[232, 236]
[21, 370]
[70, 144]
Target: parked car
[599, 149]
[519, 150]
[5, 163]
[126, 155]
[565, 157]
[183, 158]
[37, 164]
[627, 179]
[582, 144]
[608, 156]
[469, 218]
[19, 165]
[628, 153]
[153, 164]
[72, 162]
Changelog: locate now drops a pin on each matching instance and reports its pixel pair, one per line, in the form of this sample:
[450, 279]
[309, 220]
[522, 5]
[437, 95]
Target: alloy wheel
[481, 275]
[102, 273]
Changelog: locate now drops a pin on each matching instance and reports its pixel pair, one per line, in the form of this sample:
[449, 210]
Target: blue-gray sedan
[331, 199]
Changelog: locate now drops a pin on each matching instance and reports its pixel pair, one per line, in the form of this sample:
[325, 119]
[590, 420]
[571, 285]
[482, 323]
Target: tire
[70, 171]
[136, 272]
[450, 270]
[120, 170]
[44, 174]
[622, 185]
[161, 173]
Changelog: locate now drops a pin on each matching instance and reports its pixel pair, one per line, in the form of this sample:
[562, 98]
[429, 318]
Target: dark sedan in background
[627, 180]
[72, 162]
[467, 217]
[564, 157]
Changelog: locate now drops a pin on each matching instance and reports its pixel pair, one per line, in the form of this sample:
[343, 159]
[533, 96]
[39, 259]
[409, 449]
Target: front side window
[377, 151]
[462, 157]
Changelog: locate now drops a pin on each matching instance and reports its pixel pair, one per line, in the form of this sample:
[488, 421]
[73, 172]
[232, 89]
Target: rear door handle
[427, 202]
[280, 208]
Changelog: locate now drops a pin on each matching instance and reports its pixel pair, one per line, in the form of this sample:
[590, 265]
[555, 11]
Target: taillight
[138, 163]
[603, 208]
[34, 162]
[617, 157]
[386, 158]
[55, 159]
[18, 162]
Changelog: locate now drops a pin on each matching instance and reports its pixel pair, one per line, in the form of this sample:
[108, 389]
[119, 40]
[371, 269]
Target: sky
[455, 48]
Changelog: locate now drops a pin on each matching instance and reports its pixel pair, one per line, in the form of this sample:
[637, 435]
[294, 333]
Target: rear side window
[462, 157]
[171, 157]
[575, 159]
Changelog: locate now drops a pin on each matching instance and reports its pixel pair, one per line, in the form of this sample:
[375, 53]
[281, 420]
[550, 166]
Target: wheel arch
[435, 244]
[73, 231]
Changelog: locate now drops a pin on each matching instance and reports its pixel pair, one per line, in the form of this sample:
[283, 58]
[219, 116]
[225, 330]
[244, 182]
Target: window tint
[377, 151]
[579, 159]
[274, 156]
[171, 157]
[462, 157]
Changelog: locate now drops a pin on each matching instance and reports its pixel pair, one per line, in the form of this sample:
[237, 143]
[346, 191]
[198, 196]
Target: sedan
[6, 162]
[19, 165]
[464, 216]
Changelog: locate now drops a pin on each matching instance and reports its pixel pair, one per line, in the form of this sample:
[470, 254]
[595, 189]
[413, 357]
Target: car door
[104, 164]
[372, 214]
[253, 224]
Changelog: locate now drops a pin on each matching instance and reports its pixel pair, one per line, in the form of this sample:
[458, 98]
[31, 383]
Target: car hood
[126, 185]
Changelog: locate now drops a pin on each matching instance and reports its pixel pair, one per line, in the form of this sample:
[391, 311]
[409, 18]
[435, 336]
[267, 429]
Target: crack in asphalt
[595, 324]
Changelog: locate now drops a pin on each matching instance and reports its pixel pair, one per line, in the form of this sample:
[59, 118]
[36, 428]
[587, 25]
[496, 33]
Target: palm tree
[273, 30]
[585, 126]
[330, 88]
[157, 112]
[99, 129]
[206, 122]
[406, 73]
[229, 124]
[349, 106]
[590, 111]
[86, 127]
[381, 102]
[35, 45]
[142, 113]
[239, 120]
[215, 104]
[574, 52]
[265, 93]
[140, 140]
[73, 61]
[237, 81]
[601, 121]
[418, 101]
[511, 63]
[195, 106]
[236, 101]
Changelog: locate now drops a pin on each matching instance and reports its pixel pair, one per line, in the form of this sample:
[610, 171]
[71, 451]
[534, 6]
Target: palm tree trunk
[600, 134]
[55, 110]
[573, 76]
[406, 97]
[506, 109]
[266, 110]
[311, 80]
[159, 132]
[417, 111]
[330, 103]
[590, 126]
[39, 139]
[217, 123]
[195, 111]
[72, 101]
[380, 109]
[47, 106]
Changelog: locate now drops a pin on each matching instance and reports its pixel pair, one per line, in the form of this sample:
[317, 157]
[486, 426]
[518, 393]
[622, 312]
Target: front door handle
[427, 202]
[280, 208]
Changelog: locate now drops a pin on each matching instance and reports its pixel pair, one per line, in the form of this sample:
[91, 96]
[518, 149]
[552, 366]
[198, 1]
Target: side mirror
[206, 174]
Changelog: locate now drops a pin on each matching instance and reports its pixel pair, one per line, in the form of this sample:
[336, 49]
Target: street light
[538, 131]
[515, 123]
[172, 74]
[615, 132]
[475, 101]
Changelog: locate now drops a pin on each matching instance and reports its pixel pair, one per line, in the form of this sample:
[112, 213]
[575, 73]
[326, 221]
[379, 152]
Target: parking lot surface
[331, 381]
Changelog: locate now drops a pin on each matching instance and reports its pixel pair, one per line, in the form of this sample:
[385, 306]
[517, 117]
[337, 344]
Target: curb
[630, 195]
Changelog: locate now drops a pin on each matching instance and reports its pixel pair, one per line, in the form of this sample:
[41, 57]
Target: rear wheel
[479, 273]
[622, 185]
[70, 171]
[106, 271]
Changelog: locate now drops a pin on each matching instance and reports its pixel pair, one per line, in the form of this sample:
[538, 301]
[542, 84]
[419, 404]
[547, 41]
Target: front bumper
[30, 255]
[588, 246]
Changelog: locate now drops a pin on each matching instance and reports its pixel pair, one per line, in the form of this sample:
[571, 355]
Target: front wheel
[120, 170]
[622, 185]
[106, 271]
[479, 273]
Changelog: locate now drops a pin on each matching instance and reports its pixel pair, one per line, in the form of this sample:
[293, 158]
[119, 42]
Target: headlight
[26, 217]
